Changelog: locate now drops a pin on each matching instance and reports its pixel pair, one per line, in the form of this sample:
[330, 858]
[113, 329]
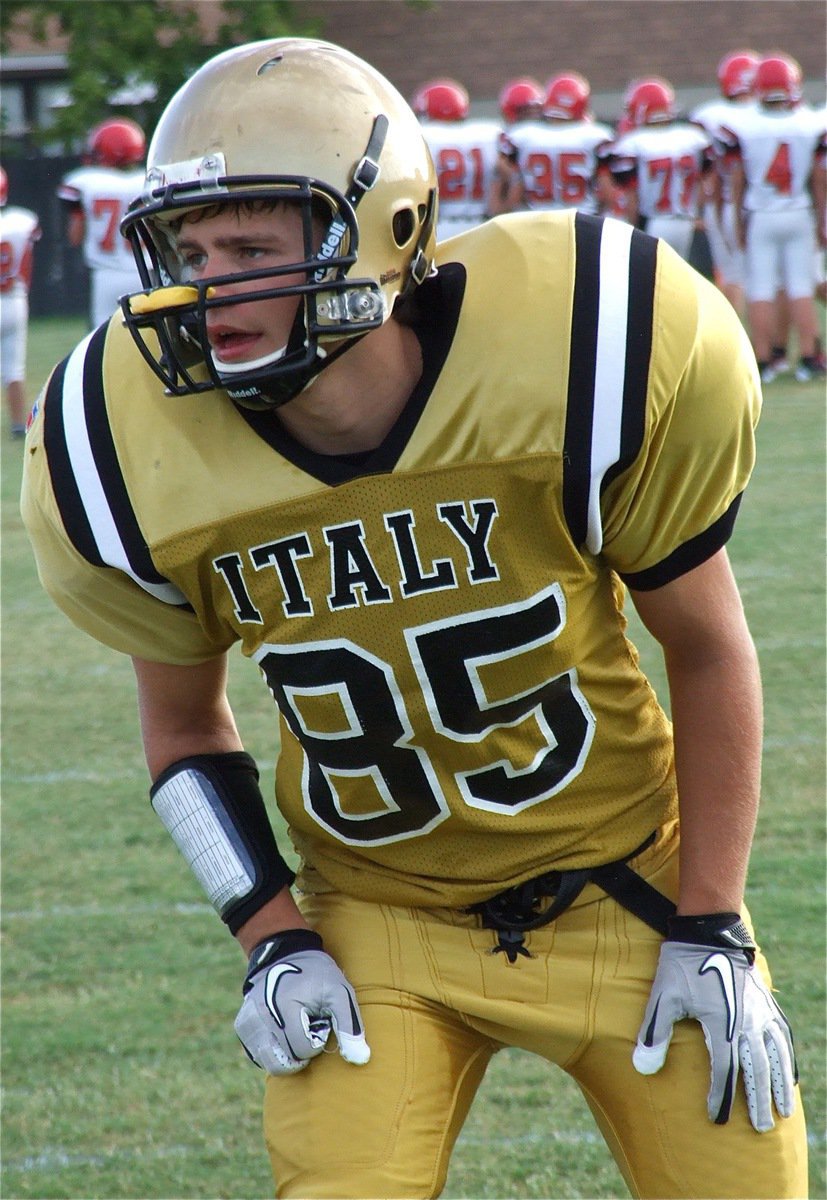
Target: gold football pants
[437, 1004]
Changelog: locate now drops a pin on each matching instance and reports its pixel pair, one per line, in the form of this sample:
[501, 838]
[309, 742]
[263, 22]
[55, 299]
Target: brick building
[483, 43]
[486, 42]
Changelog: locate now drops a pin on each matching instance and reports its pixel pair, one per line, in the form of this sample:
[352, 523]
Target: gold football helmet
[285, 119]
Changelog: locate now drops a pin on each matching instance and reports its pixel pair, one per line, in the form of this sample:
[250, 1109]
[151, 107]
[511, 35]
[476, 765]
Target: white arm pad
[202, 829]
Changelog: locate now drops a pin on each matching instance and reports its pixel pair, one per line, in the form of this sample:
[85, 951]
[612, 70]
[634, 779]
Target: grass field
[121, 1074]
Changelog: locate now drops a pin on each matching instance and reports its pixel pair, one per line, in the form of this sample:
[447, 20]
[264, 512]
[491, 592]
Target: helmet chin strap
[273, 393]
[228, 370]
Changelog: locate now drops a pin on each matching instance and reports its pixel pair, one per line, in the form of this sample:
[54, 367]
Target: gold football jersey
[440, 621]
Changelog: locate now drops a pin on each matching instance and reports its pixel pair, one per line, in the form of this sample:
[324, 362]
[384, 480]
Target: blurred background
[65, 65]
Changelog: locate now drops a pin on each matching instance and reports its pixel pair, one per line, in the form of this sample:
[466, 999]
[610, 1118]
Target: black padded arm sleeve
[238, 805]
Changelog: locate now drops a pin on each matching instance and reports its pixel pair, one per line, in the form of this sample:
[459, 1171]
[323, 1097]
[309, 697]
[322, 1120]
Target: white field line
[55, 1158]
[70, 775]
[93, 910]
[779, 741]
[788, 643]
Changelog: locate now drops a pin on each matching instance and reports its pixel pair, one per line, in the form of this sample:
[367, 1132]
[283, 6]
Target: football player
[95, 197]
[557, 151]
[465, 151]
[19, 231]
[519, 100]
[776, 152]
[414, 483]
[736, 75]
[660, 164]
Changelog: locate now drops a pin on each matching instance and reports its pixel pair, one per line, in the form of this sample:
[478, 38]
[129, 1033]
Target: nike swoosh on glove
[294, 995]
[742, 1026]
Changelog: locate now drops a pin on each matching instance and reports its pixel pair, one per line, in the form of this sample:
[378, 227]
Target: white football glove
[718, 986]
[294, 994]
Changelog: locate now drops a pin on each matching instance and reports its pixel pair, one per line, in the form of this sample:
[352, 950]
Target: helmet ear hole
[404, 224]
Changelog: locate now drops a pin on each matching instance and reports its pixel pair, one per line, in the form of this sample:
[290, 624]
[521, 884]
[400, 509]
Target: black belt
[514, 912]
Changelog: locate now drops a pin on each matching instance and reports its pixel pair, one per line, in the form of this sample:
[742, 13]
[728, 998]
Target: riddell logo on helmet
[243, 393]
[388, 276]
[331, 244]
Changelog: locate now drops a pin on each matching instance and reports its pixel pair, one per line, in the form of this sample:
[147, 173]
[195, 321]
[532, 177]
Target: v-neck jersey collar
[439, 302]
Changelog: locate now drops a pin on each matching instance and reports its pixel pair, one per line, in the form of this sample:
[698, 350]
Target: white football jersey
[777, 148]
[558, 161]
[667, 161]
[104, 193]
[19, 230]
[713, 116]
[465, 156]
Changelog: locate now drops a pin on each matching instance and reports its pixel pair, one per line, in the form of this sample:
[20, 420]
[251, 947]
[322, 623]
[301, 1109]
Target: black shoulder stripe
[64, 484]
[88, 484]
[582, 359]
[108, 466]
[610, 351]
[642, 269]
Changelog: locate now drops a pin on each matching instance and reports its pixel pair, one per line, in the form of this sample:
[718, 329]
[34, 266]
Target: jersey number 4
[374, 739]
[779, 173]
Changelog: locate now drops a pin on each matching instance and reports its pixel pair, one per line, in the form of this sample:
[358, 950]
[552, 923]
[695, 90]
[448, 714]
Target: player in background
[660, 165]
[821, 253]
[736, 76]
[96, 197]
[557, 152]
[626, 120]
[19, 230]
[613, 200]
[519, 100]
[776, 154]
[465, 151]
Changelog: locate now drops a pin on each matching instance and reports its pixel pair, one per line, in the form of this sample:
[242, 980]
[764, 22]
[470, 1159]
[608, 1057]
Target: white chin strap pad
[251, 364]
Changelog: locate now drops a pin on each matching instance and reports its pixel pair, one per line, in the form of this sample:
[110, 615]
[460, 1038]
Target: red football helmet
[736, 73]
[778, 78]
[116, 142]
[650, 102]
[521, 98]
[567, 97]
[4, 187]
[441, 100]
